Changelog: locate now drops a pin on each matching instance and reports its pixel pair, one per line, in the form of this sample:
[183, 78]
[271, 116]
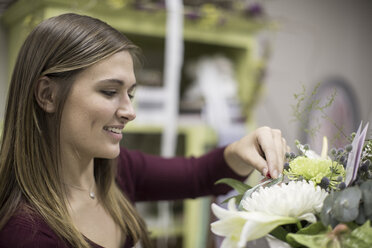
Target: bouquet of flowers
[319, 201]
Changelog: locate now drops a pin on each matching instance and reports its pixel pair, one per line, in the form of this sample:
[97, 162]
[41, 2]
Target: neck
[77, 171]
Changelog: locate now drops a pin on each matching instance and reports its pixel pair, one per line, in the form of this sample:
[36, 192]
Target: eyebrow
[112, 80]
[117, 81]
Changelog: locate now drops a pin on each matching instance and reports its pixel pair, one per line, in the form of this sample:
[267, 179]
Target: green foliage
[313, 229]
[366, 189]
[321, 237]
[279, 233]
[267, 183]
[318, 240]
[360, 237]
[309, 232]
[367, 150]
[346, 206]
[326, 215]
[239, 186]
[305, 104]
[299, 111]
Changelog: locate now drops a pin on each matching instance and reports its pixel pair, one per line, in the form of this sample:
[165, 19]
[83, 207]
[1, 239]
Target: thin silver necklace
[92, 195]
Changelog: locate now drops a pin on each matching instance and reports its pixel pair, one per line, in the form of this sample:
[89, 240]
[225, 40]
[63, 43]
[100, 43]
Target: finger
[288, 149]
[285, 148]
[266, 142]
[278, 141]
[279, 149]
[260, 163]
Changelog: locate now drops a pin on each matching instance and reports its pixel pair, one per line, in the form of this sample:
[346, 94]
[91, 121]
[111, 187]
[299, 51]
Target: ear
[45, 94]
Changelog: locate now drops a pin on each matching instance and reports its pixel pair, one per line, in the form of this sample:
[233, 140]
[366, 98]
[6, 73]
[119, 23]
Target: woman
[69, 99]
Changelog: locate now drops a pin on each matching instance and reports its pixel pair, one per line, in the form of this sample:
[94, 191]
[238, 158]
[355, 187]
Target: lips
[116, 130]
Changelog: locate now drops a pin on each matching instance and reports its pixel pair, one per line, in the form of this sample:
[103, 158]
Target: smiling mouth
[113, 130]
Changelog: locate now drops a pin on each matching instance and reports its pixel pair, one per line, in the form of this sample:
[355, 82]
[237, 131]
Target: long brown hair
[58, 48]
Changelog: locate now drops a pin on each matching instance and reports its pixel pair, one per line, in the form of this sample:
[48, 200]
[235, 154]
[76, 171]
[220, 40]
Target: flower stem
[299, 226]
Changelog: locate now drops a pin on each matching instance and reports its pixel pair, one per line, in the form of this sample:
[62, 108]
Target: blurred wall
[315, 39]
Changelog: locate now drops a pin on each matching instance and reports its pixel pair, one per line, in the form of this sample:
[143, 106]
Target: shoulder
[25, 231]
[127, 171]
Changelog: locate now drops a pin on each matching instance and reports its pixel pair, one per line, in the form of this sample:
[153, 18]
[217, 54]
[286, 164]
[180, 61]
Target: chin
[110, 154]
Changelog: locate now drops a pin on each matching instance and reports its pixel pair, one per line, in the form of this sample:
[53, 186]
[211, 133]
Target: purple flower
[355, 155]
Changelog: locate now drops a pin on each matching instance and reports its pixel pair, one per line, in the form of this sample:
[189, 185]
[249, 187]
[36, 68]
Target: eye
[108, 92]
[131, 96]
[131, 93]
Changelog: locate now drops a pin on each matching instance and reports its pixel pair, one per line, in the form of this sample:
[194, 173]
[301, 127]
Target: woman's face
[98, 107]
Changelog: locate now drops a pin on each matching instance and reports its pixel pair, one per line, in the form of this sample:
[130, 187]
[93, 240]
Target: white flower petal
[260, 224]
[231, 205]
[244, 226]
[229, 243]
[229, 226]
[220, 212]
[292, 200]
[266, 209]
[310, 217]
[231, 222]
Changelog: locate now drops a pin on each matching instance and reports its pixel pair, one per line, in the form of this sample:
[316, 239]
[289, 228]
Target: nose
[126, 111]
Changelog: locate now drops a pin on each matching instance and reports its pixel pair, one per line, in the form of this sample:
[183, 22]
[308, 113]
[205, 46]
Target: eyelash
[109, 92]
[112, 93]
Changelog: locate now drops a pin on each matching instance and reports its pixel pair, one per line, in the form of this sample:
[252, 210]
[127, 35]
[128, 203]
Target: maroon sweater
[142, 178]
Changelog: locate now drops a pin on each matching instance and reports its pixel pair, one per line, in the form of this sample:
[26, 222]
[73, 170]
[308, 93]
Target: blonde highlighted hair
[58, 48]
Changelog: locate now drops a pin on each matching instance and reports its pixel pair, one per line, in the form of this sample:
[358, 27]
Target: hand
[264, 150]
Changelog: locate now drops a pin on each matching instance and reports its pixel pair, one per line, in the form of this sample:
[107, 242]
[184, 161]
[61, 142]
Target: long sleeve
[147, 177]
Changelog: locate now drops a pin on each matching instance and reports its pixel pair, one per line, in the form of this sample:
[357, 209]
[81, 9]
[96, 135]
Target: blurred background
[241, 64]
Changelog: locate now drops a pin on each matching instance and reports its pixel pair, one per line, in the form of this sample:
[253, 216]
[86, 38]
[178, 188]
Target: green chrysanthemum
[367, 150]
[314, 169]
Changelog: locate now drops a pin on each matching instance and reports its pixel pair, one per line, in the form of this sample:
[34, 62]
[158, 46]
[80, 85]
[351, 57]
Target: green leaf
[326, 215]
[235, 184]
[311, 230]
[279, 233]
[346, 205]
[238, 198]
[360, 237]
[267, 183]
[361, 219]
[366, 189]
[320, 240]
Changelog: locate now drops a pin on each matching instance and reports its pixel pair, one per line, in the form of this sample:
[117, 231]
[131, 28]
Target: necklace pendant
[92, 195]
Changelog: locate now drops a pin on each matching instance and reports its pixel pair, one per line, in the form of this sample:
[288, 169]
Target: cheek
[101, 111]
[91, 114]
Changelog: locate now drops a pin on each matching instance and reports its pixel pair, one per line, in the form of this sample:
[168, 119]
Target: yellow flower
[314, 169]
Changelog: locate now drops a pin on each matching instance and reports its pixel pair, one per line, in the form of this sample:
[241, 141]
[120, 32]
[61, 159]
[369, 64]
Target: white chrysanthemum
[299, 199]
[266, 209]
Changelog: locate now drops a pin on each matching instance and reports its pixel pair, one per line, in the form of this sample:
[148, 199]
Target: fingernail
[275, 174]
[264, 172]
